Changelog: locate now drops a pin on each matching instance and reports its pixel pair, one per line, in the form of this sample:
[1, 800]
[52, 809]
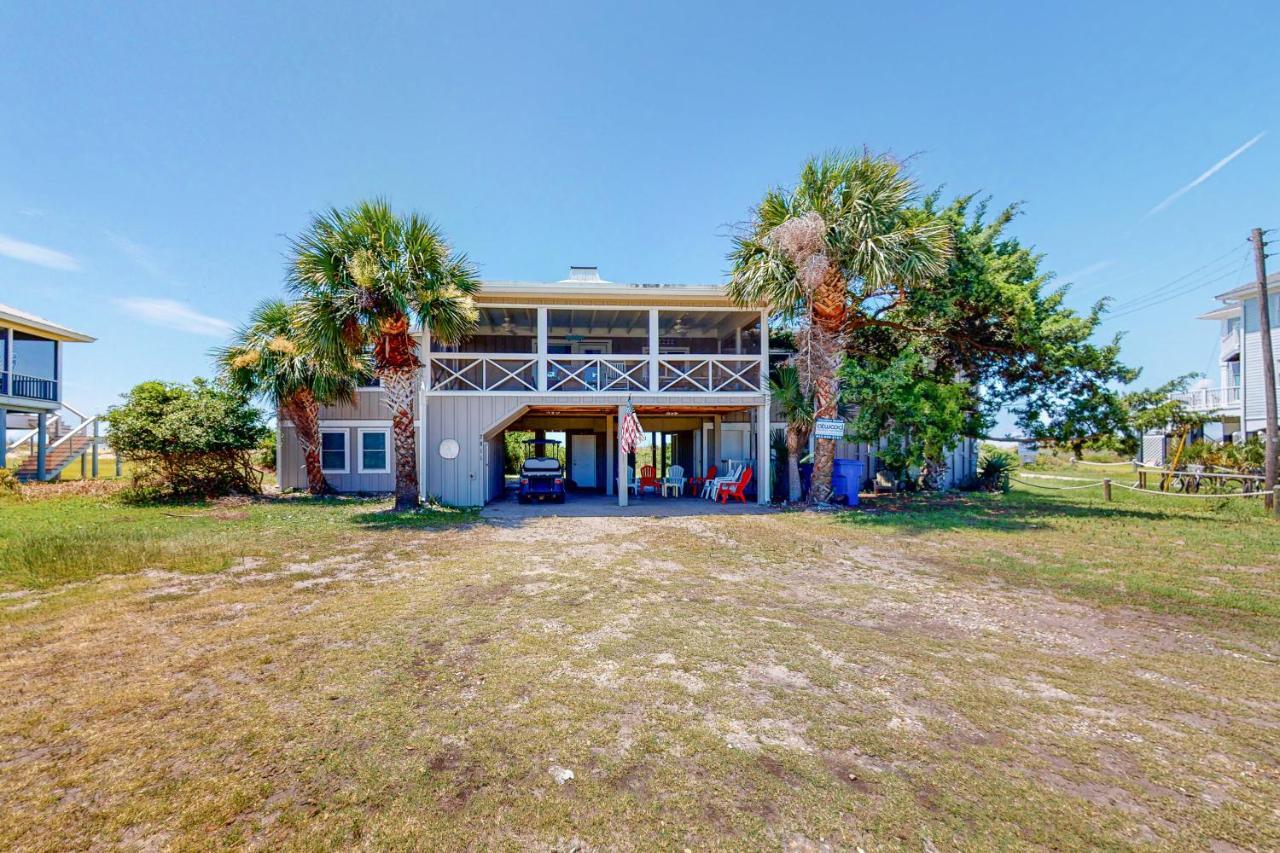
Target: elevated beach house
[36, 426]
[566, 357]
[1234, 397]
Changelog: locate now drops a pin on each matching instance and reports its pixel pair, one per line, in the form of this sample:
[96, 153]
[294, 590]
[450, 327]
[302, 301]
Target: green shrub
[194, 440]
[9, 484]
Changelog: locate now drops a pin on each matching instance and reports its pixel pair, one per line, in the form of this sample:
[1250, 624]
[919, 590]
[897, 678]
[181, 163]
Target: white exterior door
[735, 443]
[583, 468]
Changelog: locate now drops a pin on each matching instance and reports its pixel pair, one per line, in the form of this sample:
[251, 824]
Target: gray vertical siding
[475, 477]
[293, 475]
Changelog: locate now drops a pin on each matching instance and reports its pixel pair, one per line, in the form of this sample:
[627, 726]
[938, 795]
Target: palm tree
[367, 274]
[269, 358]
[796, 408]
[832, 255]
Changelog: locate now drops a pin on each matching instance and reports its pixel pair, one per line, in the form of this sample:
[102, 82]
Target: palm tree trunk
[829, 312]
[304, 411]
[795, 446]
[398, 385]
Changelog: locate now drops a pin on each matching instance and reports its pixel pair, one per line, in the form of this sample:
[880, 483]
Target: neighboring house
[1235, 397]
[32, 425]
[565, 357]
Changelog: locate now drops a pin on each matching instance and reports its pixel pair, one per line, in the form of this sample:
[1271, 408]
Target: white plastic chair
[632, 486]
[674, 480]
[712, 487]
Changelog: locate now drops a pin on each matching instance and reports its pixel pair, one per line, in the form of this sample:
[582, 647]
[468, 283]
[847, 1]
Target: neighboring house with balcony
[1235, 396]
[565, 357]
[33, 426]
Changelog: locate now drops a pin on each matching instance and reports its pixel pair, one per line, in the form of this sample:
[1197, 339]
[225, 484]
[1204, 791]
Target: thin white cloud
[1085, 272]
[139, 254]
[39, 255]
[172, 314]
[1209, 173]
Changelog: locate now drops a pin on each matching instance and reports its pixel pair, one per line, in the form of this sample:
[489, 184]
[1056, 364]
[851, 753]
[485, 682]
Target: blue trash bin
[846, 480]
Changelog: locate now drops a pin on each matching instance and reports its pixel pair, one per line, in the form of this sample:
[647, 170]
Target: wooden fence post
[1106, 488]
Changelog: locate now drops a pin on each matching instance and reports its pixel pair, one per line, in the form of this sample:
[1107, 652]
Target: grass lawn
[967, 671]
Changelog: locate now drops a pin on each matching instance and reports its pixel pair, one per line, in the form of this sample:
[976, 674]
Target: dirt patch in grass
[789, 681]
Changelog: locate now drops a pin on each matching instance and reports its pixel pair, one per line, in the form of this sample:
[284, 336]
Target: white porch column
[764, 475]
[653, 350]
[542, 349]
[609, 452]
[764, 351]
[622, 462]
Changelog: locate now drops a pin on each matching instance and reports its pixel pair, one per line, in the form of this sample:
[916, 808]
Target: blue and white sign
[828, 428]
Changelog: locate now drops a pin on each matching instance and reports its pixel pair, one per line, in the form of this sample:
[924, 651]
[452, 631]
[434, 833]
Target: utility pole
[1268, 364]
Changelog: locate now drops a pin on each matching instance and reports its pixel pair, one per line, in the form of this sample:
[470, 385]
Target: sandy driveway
[734, 681]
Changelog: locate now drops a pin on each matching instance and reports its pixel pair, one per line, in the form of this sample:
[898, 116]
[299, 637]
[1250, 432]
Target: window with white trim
[375, 451]
[333, 451]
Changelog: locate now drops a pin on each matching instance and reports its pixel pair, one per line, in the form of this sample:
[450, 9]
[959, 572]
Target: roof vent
[587, 275]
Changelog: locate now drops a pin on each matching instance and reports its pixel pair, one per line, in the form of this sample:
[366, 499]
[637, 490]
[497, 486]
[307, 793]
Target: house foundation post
[764, 476]
[622, 461]
[95, 448]
[4, 437]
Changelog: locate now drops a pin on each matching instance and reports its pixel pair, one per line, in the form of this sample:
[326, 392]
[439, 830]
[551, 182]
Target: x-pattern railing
[709, 374]
[605, 373]
[483, 373]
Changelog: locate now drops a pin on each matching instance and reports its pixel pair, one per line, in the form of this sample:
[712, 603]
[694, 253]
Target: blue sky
[156, 157]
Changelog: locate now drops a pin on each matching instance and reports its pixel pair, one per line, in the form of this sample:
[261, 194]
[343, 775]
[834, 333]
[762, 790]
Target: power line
[1152, 300]
[1218, 264]
[1205, 266]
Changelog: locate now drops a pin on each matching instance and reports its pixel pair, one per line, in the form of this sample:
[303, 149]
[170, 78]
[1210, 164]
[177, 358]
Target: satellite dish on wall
[449, 449]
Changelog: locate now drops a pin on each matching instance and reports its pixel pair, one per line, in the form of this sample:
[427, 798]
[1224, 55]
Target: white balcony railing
[497, 372]
[709, 374]
[1209, 399]
[595, 374]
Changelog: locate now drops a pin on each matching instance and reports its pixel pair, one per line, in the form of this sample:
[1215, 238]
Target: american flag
[629, 430]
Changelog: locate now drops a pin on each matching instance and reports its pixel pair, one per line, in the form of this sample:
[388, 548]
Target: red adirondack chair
[696, 483]
[735, 490]
[649, 479]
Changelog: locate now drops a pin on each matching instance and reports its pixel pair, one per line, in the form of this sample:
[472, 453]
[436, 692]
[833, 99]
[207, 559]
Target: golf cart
[541, 475]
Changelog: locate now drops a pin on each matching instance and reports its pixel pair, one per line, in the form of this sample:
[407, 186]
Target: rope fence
[1132, 487]
[1104, 464]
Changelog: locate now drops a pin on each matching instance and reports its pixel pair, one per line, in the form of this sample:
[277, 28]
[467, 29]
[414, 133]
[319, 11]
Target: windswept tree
[994, 333]
[369, 276]
[831, 255]
[796, 408]
[270, 359]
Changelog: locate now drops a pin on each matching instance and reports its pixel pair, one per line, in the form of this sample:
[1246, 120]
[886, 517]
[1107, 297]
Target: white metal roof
[30, 322]
[602, 288]
[1244, 291]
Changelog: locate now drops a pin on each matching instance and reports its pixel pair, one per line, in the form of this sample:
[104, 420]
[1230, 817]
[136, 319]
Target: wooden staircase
[66, 449]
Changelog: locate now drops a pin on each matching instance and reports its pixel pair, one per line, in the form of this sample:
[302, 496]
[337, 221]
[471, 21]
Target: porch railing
[31, 387]
[1209, 399]
[493, 372]
[709, 374]
[598, 373]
